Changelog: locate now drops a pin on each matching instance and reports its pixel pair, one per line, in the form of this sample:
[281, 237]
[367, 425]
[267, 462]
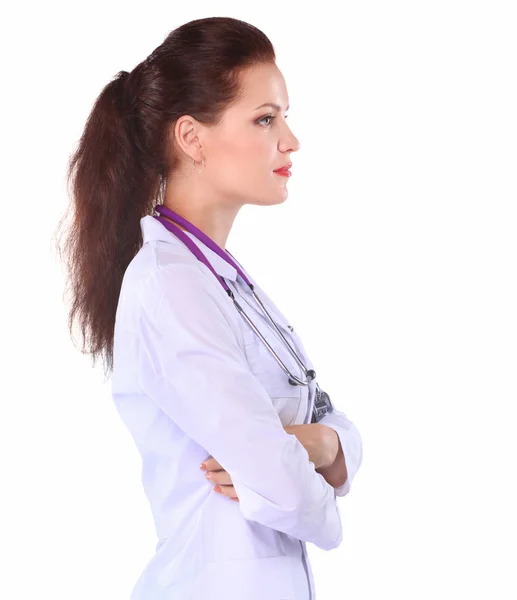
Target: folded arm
[191, 365]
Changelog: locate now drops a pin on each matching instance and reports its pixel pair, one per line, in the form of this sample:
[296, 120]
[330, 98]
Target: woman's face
[242, 152]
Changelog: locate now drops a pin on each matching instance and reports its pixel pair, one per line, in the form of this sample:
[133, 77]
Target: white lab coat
[191, 380]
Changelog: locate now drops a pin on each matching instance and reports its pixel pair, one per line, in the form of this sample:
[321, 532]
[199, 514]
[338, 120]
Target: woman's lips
[284, 170]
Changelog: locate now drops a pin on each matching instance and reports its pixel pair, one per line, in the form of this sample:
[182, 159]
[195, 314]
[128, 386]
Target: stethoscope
[322, 401]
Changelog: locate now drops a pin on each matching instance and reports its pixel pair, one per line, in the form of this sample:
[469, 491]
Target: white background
[394, 257]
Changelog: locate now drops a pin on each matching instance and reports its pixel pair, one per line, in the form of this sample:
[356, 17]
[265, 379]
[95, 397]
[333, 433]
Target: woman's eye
[266, 117]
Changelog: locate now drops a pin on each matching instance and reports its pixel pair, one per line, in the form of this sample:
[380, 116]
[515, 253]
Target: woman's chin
[277, 196]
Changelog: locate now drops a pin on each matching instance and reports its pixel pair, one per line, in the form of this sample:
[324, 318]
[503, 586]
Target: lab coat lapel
[252, 303]
[154, 230]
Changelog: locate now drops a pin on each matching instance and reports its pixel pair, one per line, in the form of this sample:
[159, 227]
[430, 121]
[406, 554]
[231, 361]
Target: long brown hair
[118, 172]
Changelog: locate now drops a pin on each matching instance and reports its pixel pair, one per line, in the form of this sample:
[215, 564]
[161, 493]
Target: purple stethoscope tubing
[164, 211]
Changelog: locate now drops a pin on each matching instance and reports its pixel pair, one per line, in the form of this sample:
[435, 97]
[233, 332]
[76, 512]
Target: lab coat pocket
[287, 408]
[267, 578]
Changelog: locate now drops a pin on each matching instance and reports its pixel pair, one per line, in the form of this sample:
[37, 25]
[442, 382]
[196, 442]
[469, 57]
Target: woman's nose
[290, 144]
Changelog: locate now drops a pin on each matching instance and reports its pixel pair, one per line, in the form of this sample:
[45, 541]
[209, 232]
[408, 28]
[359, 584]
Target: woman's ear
[186, 137]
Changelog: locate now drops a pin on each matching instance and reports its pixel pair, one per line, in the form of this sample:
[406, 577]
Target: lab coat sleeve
[191, 365]
[351, 444]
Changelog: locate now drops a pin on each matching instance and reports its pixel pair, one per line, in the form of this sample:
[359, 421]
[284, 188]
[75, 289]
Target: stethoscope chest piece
[322, 405]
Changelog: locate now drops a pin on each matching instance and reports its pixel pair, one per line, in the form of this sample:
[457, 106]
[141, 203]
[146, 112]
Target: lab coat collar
[153, 230]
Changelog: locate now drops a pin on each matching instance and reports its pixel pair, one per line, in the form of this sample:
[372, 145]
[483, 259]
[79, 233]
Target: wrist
[335, 471]
[332, 445]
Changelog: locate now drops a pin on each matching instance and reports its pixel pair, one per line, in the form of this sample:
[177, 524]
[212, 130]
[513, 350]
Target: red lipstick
[284, 170]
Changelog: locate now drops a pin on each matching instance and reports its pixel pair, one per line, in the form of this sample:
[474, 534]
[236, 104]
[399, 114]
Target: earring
[194, 165]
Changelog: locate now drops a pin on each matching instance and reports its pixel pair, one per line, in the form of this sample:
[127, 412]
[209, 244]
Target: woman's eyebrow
[275, 106]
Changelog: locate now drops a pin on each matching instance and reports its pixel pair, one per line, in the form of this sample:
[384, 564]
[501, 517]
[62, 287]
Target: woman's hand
[312, 436]
[216, 474]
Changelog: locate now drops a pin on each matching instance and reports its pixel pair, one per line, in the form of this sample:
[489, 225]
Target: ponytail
[112, 190]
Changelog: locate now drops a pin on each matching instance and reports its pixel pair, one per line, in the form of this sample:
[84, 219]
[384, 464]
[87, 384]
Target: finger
[226, 490]
[211, 464]
[222, 477]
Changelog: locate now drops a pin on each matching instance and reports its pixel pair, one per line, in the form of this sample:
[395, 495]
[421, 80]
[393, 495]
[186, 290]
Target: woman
[169, 154]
